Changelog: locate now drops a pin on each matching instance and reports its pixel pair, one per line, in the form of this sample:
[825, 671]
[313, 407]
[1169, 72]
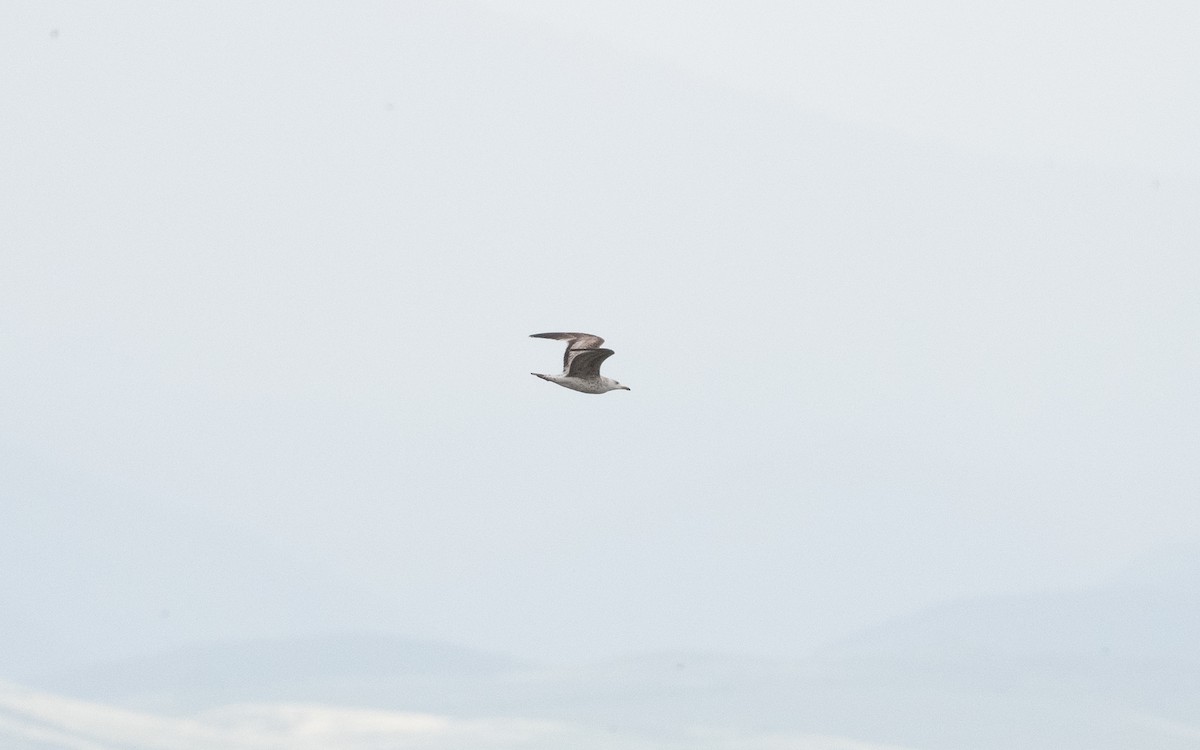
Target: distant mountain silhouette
[327, 667]
[1107, 669]
[1114, 667]
[1150, 611]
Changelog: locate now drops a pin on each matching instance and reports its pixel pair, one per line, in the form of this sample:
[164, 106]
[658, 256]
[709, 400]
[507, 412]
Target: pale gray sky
[267, 274]
[1113, 82]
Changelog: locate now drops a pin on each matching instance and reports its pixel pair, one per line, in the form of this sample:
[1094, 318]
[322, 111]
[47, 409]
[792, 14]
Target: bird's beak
[626, 387]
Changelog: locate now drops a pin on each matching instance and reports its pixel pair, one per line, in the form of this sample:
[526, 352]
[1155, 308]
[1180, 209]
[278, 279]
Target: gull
[581, 363]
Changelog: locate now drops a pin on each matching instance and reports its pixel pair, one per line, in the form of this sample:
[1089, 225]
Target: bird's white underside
[584, 385]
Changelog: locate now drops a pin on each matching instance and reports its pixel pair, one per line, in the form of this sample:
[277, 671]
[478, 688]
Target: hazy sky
[1115, 83]
[267, 274]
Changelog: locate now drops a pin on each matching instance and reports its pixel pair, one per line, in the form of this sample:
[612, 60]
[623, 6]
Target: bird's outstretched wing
[575, 343]
[586, 363]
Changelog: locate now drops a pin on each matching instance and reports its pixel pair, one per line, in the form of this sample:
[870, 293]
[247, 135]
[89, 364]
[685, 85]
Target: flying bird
[581, 363]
